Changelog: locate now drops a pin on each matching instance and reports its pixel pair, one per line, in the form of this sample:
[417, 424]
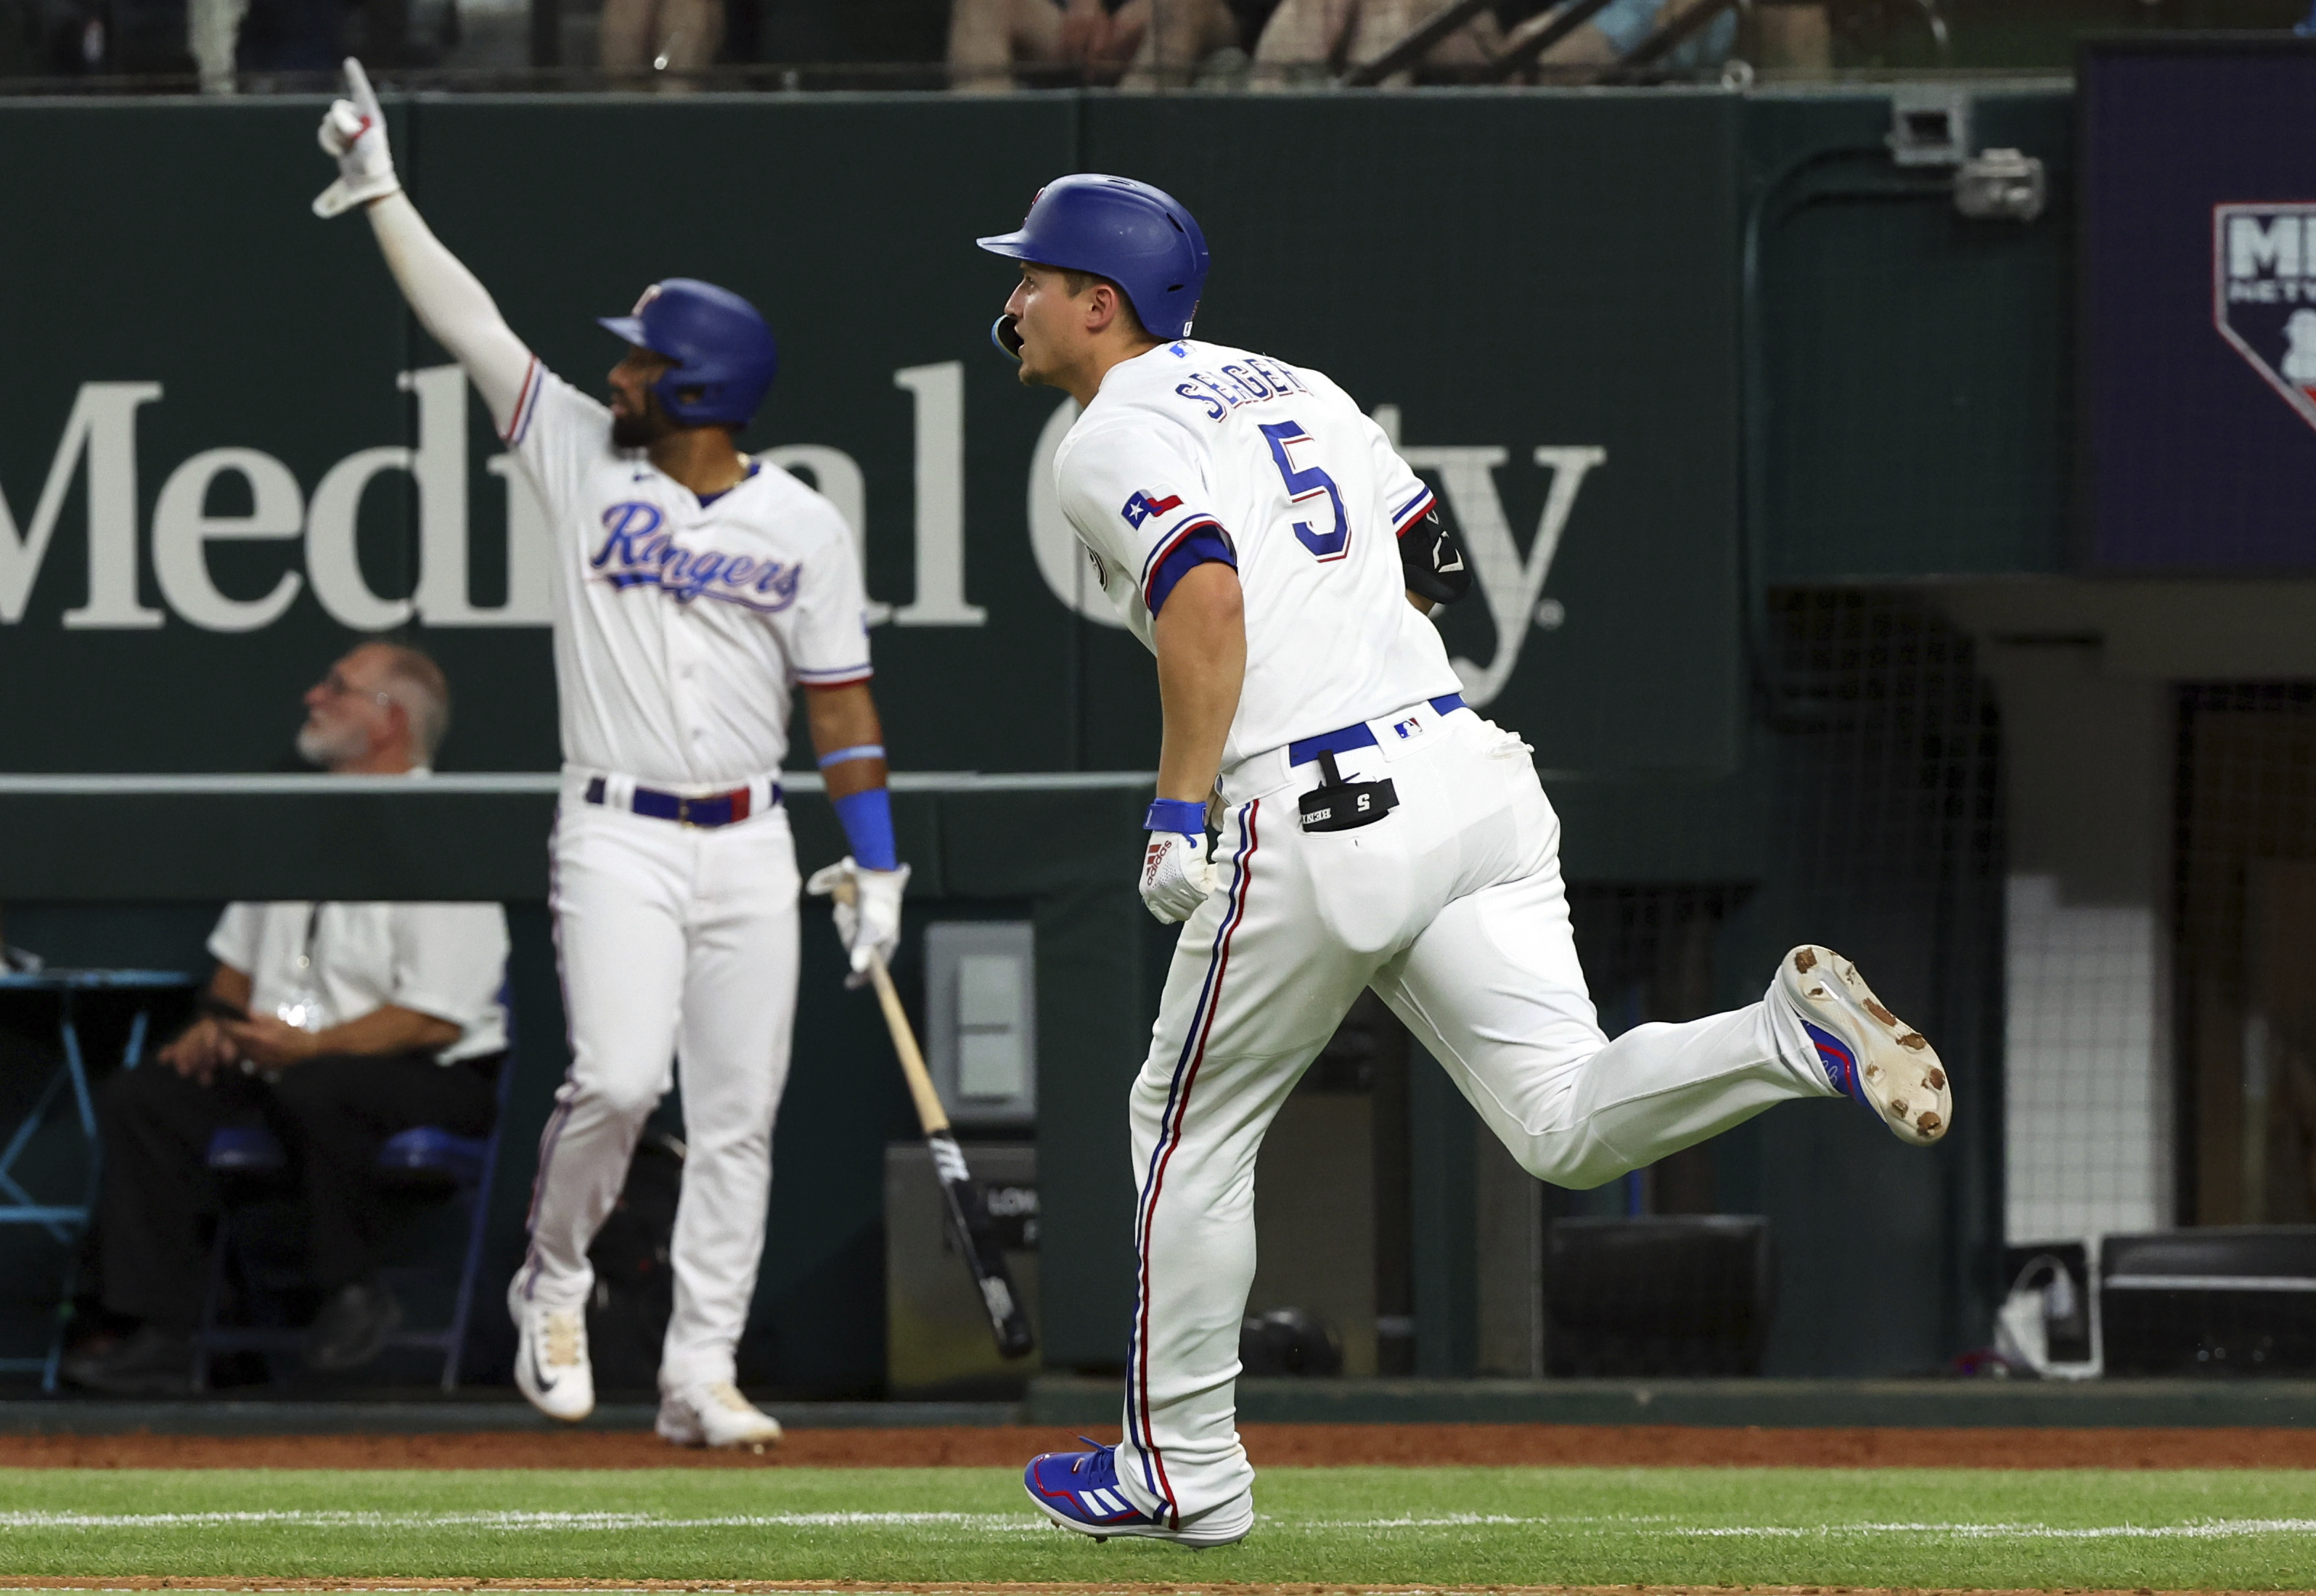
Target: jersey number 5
[1308, 484]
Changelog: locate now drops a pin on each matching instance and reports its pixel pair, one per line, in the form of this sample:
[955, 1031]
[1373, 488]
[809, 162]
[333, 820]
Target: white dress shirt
[448, 960]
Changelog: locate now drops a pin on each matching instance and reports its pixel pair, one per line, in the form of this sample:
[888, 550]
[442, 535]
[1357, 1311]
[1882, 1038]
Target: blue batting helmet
[723, 351]
[1139, 237]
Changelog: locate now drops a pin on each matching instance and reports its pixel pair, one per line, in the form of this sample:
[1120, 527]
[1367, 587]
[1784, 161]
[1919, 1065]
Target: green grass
[1526, 1525]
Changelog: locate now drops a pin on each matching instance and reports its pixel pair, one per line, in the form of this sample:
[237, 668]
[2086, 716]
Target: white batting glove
[353, 134]
[1176, 875]
[867, 910]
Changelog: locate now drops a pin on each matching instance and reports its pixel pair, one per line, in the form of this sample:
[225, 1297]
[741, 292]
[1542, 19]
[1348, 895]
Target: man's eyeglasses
[336, 685]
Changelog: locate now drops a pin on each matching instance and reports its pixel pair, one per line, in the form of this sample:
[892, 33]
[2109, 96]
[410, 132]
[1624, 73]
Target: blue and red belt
[1356, 735]
[710, 809]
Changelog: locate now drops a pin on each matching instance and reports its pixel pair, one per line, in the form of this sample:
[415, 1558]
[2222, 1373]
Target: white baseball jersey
[683, 626]
[1447, 901]
[1191, 445]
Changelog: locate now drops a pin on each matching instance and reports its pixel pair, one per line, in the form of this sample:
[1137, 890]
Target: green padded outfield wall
[226, 448]
[1542, 293]
[226, 451]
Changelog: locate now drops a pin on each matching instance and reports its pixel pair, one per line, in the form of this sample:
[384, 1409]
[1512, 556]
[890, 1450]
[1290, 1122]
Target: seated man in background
[339, 1025]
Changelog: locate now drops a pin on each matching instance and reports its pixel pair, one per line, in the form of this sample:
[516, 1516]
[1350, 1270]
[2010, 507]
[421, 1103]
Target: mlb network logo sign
[2264, 294]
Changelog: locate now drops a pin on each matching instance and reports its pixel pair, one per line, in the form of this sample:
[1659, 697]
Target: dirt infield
[1170, 1588]
[1269, 1445]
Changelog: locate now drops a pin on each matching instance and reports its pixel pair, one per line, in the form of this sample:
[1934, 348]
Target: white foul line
[1655, 1526]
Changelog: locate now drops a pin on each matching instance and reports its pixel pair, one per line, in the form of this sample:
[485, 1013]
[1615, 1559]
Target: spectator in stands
[1308, 39]
[1141, 43]
[660, 36]
[988, 38]
[1205, 43]
[336, 1025]
[1624, 25]
[1311, 40]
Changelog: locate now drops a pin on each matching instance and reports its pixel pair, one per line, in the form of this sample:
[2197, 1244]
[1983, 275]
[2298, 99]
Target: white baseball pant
[676, 943]
[1452, 909]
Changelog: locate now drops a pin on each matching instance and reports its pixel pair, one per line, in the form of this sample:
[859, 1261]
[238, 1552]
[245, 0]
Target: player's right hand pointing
[353, 133]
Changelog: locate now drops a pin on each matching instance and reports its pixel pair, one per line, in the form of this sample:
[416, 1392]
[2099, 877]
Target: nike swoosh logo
[538, 1376]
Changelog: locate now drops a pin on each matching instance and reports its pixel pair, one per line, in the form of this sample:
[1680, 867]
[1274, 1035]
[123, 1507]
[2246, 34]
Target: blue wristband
[867, 818]
[1176, 814]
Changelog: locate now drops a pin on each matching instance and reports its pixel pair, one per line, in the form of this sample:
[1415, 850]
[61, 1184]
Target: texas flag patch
[1141, 507]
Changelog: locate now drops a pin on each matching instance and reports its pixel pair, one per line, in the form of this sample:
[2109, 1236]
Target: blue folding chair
[426, 1152]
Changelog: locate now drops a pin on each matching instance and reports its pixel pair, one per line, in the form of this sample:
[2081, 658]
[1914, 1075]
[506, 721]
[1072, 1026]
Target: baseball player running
[695, 589]
[1260, 536]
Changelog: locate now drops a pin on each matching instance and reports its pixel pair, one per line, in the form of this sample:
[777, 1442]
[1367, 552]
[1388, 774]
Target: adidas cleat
[1079, 1491]
[1867, 1053]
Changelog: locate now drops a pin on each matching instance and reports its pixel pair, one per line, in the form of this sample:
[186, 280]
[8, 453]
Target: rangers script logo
[2264, 294]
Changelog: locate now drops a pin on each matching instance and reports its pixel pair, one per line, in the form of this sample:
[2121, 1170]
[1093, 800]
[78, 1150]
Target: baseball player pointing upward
[694, 591]
[1260, 534]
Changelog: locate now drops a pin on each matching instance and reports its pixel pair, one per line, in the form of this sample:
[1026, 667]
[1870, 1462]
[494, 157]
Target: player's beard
[630, 431]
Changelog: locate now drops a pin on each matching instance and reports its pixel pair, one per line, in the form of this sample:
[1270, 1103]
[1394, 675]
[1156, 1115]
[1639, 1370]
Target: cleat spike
[1859, 1042]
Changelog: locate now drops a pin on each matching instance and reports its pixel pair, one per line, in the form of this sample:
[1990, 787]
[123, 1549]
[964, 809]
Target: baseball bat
[969, 1208]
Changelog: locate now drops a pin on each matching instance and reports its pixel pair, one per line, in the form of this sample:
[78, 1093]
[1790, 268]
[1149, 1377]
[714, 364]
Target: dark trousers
[332, 1116]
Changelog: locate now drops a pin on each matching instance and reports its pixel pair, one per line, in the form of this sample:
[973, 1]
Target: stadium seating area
[159, 46]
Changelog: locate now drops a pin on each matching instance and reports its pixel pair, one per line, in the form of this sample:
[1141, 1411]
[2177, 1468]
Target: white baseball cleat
[712, 1413]
[1867, 1053]
[550, 1359]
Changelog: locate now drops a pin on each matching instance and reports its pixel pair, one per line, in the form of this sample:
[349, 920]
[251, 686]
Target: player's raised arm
[446, 299]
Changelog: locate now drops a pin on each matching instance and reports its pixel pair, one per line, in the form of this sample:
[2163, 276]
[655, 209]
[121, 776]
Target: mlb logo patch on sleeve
[1141, 507]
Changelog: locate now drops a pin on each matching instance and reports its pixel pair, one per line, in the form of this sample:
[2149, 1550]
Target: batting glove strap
[1176, 814]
